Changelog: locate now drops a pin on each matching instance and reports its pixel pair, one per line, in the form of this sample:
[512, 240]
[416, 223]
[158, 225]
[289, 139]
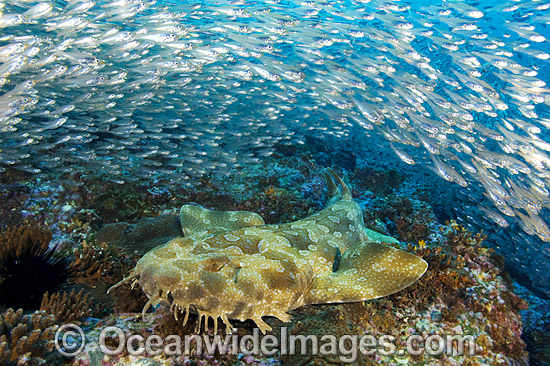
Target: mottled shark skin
[230, 265]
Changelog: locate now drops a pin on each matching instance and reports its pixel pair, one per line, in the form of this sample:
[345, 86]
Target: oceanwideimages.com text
[70, 341]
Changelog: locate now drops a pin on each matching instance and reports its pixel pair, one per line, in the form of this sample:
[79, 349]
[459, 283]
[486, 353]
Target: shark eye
[215, 264]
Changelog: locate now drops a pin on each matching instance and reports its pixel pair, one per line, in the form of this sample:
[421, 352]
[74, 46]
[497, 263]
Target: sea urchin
[29, 267]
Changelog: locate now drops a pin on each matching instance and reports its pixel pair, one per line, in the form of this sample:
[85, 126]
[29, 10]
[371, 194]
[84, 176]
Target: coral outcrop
[28, 339]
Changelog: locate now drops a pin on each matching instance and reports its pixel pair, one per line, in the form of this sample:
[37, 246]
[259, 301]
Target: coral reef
[29, 267]
[378, 181]
[407, 219]
[276, 205]
[278, 189]
[97, 266]
[128, 300]
[318, 321]
[11, 196]
[115, 201]
[464, 290]
[465, 279]
[90, 264]
[67, 307]
[27, 339]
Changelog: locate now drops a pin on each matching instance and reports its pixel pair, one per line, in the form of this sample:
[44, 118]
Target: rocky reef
[464, 292]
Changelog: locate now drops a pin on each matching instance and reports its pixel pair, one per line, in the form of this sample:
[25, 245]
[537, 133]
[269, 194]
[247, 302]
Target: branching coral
[29, 267]
[67, 307]
[27, 339]
[90, 263]
[98, 266]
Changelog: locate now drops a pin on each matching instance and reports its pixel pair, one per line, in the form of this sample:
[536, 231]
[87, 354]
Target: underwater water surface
[114, 114]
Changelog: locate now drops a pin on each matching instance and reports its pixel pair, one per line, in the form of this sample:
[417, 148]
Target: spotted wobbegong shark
[231, 265]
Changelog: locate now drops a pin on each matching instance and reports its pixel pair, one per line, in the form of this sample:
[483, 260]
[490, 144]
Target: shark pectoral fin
[367, 270]
[196, 219]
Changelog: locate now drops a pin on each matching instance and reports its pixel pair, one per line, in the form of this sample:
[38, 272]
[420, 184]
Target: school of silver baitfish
[182, 88]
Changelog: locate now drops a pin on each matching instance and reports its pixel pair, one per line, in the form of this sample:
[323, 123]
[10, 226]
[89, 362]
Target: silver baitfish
[458, 87]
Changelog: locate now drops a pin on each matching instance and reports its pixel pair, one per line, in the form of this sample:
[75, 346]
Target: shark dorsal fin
[333, 180]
